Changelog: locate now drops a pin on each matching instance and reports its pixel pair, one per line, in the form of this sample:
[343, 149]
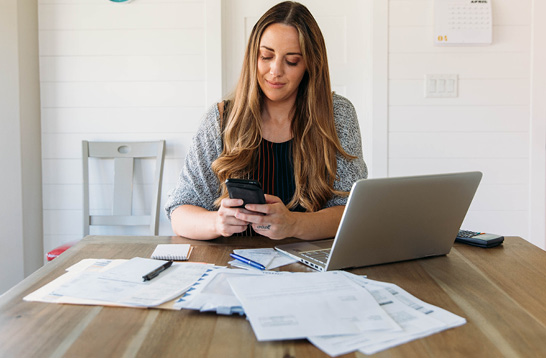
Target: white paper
[46, 292]
[213, 293]
[413, 323]
[90, 287]
[268, 257]
[95, 265]
[448, 319]
[133, 270]
[308, 304]
[417, 318]
[241, 265]
[172, 252]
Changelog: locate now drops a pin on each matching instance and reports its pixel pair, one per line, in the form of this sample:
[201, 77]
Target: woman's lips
[275, 84]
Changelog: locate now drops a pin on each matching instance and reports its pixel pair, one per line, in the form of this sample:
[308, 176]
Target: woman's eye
[264, 58]
[291, 63]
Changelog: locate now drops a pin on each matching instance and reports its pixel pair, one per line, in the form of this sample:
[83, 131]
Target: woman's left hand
[272, 219]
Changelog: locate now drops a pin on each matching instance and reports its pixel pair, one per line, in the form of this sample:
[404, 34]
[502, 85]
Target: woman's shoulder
[344, 113]
[341, 104]
[208, 134]
[210, 122]
[214, 111]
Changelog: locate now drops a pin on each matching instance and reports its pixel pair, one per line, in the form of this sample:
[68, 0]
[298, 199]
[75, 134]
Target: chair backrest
[124, 155]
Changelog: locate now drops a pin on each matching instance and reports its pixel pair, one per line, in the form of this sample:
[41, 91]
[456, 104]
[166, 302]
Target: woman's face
[280, 63]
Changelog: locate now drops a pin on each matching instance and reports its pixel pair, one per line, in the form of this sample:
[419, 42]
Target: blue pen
[248, 262]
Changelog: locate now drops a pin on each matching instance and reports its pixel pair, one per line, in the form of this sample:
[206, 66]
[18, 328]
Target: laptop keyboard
[317, 255]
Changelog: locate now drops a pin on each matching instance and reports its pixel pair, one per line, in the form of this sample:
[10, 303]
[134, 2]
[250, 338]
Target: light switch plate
[441, 85]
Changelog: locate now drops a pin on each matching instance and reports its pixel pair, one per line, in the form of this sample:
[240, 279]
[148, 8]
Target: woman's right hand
[226, 222]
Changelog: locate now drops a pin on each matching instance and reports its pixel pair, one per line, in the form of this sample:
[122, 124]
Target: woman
[283, 127]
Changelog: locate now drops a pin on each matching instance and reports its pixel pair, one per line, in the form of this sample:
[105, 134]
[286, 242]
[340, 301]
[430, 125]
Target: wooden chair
[124, 155]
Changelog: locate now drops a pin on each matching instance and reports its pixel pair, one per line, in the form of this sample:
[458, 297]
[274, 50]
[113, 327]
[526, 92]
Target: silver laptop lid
[403, 218]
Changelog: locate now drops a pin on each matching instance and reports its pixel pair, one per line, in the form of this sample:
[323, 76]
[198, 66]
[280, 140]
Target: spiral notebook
[177, 252]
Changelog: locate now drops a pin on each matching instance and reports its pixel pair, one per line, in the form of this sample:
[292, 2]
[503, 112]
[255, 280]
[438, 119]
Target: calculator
[481, 239]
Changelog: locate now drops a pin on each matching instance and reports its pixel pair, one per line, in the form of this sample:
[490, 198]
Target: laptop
[393, 219]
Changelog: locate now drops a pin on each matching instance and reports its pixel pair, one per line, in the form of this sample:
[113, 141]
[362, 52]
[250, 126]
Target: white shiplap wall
[485, 128]
[111, 71]
[147, 70]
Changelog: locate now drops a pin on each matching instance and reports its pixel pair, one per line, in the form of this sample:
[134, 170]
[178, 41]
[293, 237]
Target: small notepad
[176, 252]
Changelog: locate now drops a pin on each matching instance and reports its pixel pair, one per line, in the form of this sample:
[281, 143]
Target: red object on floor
[59, 250]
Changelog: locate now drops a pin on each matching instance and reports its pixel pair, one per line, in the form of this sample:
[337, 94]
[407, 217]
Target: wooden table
[500, 291]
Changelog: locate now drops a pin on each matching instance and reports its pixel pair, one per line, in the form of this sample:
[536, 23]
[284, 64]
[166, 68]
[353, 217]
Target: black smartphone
[249, 190]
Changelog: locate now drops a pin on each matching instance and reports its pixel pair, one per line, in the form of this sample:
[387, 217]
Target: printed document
[213, 293]
[133, 270]
[417, 319]
[303, 305]
[46, 292]
[92, 286]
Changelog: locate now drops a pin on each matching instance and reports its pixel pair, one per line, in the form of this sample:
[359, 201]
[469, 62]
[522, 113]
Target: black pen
[157, 271]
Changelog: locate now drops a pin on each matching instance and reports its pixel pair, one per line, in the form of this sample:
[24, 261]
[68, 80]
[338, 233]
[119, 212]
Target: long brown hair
[315, 142]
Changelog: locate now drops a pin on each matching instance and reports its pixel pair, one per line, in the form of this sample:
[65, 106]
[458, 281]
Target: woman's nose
[276, 67]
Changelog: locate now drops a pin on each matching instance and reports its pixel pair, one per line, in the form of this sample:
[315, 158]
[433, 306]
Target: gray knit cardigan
[199, 186]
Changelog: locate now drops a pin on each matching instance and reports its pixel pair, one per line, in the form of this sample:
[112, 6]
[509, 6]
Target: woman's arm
[194, 222]
[318, 225]
[197, 184]
[348, 132]
[198, 223]
[190, 206]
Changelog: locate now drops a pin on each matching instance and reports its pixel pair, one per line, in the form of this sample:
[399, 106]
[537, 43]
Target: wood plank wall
[138, 72]
[485, 128]
[115, 72]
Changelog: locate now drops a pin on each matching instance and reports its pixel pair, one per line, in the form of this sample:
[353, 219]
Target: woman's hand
[227, 221]
[272, 219]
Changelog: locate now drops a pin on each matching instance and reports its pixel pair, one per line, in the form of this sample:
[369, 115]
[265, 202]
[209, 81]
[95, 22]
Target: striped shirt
[275, 170]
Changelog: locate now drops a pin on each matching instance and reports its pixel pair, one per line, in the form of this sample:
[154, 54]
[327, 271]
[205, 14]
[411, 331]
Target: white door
[347, 28]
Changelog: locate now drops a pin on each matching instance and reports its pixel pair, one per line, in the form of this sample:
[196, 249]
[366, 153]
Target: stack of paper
[212, 291]
[304, 305]
[416, 318]
[337, 311]
[119, 283]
